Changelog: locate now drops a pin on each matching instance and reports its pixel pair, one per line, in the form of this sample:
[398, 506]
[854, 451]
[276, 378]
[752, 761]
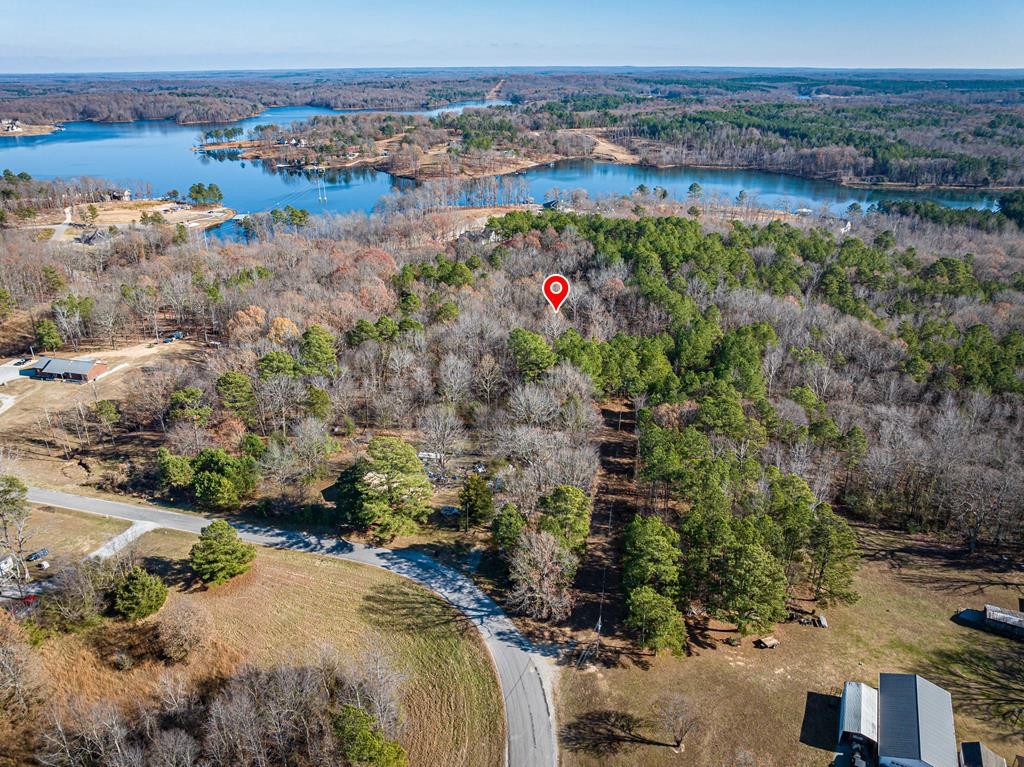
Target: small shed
[1004, 621]
[767, 643]
[975, 754]
[858, 714]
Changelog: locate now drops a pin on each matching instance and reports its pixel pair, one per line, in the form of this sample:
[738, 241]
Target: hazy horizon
[539, 68]
[115, 36]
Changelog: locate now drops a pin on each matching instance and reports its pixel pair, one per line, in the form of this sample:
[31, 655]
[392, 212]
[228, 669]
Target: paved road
[526, 671]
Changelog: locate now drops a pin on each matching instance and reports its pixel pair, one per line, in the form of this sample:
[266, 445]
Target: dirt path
[495, 92]
[606, 150]
[600, 602]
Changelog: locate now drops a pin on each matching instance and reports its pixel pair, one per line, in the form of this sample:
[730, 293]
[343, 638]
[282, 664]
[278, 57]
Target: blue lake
[159, 154]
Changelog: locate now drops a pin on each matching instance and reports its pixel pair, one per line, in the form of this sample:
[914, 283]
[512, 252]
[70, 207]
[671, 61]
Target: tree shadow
[605, 732]
[606, 656]
[454, 554]
[964, 584]
[407, 608]
[821, 721]
[698, 636]
[985, 676]
[174, 572]
[137, 642]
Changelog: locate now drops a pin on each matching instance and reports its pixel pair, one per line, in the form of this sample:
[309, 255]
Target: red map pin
[556, 290]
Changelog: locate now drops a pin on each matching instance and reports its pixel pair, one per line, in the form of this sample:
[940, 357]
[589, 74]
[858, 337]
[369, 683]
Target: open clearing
[288, 606]
[779, 704]
[129, 212]
[70, 535]
[38, 448]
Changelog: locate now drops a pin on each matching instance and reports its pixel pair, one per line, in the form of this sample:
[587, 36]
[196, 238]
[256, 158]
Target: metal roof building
[858, 713]
[976, 754]
[65, 369]
[915, 723]
[1004, 621]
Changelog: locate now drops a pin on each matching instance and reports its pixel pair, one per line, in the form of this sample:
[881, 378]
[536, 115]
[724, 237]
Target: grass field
[69, 535]
[290, 605]
[780, 704]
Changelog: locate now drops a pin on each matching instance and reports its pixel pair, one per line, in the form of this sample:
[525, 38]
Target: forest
[912, 129]
[784, 378]
[788, 382]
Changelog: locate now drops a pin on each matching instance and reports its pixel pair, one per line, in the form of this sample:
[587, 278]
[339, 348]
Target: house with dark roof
[915, 723]
[60, 369]
[906, 722]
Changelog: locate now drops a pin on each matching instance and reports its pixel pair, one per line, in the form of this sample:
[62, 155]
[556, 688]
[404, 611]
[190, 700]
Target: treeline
[23, 198]
[216, 98]
[1011, 210]
[986, 220]
[843, 142]
[315, 714]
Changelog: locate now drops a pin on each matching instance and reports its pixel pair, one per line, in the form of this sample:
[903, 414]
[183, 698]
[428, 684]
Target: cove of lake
[156, 155]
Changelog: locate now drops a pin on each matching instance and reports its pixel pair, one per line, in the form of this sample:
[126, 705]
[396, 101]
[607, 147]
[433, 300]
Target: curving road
[525, 670]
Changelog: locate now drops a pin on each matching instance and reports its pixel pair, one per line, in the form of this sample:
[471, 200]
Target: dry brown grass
[757, 700]
[69, 535]
[288, 606]
[39, 449]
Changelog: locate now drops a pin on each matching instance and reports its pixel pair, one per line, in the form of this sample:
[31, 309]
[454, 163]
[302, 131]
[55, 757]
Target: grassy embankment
[288, 606]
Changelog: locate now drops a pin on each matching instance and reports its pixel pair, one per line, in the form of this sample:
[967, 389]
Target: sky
[177, 35]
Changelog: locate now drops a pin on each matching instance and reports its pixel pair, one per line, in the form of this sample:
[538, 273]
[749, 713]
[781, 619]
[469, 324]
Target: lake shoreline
[892, 186]
[607, 153]
[31, 130]
[148, 158]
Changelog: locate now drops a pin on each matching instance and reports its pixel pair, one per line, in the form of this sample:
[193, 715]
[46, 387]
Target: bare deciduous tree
[19, 672]
[680, 718]
[542, 573]
[442, 432]
[182, 627]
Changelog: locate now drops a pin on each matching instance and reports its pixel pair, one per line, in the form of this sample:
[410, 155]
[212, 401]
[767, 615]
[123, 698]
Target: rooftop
[58, 366]
[915, 721]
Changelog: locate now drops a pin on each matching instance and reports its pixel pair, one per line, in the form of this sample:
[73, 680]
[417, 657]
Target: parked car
[43, 565]
[29, 600]
[22, 361]
[37, 555]
[449, 511]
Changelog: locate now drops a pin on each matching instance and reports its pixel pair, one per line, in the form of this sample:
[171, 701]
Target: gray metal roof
[858, 712]
[979, 755]
[915, 721]
[57, 366]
